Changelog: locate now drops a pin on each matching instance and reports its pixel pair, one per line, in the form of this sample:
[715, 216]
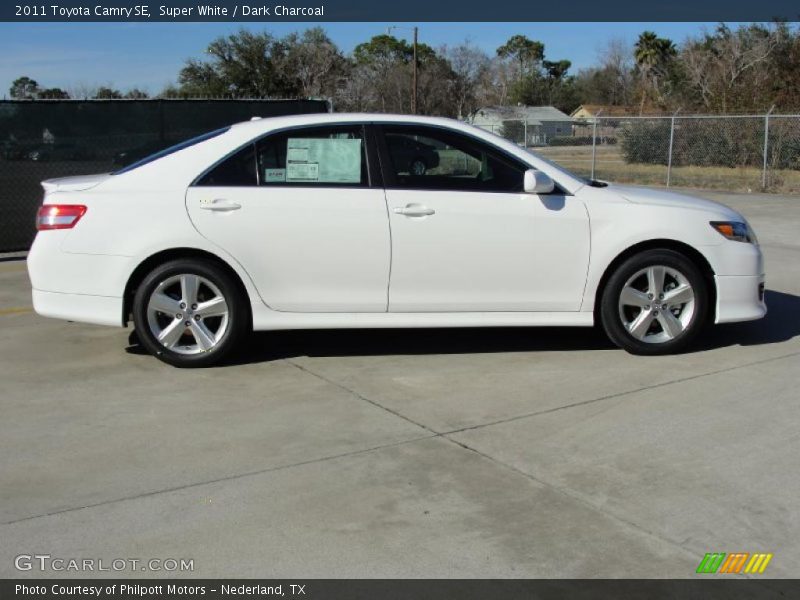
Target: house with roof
[587, 112]
[526, 125]
[606, 117]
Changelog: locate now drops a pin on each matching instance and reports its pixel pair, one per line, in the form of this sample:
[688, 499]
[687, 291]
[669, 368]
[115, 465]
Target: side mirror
[537, 182]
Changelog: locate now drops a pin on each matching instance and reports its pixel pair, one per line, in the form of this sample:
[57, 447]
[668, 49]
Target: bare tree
[355, 90]
[616, 59]
[437, 87]
[496, 82]
[315, 61]
[720, 67]
[82, 90]
[470, 65]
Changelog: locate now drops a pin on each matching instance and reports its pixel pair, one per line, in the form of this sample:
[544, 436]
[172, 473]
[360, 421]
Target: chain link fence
[735, 153]
[520, 131]
[44, 139]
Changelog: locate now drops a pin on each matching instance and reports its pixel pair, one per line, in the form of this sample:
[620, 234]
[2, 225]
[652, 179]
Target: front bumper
[740, 298]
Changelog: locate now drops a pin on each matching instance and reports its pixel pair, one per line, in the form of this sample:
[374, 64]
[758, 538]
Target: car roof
[267, 123]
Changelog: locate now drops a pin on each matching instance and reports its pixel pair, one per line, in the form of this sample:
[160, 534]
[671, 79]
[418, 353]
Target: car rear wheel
[655, 302]
[189, 313]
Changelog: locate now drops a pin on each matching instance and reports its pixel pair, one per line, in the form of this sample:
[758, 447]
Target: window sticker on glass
[302, 171]
[323, 160]
[296, 154]
[271, 175]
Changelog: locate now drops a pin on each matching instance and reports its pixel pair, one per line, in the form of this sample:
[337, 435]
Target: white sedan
[354, 221]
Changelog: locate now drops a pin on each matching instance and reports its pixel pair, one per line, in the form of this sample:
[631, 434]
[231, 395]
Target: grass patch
[611, 166]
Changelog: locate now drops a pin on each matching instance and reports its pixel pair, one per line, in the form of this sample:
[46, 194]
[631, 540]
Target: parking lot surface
[417, 453]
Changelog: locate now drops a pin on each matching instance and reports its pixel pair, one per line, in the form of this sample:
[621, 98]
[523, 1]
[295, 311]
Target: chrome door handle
[414, 210]
[219, 204]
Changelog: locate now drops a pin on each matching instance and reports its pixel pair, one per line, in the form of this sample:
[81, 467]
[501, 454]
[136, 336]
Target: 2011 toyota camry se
[334, 221]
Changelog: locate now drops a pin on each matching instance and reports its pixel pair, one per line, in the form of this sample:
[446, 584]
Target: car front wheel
[418, 167]
[655, 302]
[189, 313]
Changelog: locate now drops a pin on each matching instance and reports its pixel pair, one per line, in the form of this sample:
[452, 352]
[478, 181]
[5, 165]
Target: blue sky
[149, 55]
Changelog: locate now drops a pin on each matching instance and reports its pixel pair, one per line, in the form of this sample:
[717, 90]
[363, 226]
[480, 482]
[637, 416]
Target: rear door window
[318, 156]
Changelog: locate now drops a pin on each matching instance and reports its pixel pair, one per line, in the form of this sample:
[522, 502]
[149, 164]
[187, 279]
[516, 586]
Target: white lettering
[299, 11]
[212, 11]
[175, 13]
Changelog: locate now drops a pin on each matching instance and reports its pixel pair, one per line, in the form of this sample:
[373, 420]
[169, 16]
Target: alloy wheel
[656, 304]
[187, 314]
[418, 168]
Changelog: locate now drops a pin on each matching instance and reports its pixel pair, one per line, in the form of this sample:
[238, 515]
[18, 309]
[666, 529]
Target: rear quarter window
[238, 170]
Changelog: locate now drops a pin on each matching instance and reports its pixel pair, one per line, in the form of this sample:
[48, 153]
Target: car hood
[642, 195]
[74, 184]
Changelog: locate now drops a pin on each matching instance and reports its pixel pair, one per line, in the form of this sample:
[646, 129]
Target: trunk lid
[74, 184]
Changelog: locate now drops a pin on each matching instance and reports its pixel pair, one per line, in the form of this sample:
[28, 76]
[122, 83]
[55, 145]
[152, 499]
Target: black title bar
[388, 589]
[407, 10]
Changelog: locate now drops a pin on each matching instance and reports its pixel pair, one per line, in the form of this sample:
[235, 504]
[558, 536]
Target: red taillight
[59, 216]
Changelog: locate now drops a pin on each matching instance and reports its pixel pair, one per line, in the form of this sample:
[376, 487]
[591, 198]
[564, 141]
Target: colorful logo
[720, 562]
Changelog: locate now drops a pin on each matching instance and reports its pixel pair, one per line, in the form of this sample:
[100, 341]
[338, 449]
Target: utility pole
[594, 141]
[766, 148]
[414, 92]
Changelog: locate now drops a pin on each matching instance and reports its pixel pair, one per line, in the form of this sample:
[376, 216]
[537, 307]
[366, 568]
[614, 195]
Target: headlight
[738, 231]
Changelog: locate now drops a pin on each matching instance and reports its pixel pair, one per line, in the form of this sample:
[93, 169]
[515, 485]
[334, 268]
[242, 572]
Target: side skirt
[265, 320]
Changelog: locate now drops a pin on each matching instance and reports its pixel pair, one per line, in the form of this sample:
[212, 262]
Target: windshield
[171, 150]
[550, 164]
[558, 167]
[585, 180]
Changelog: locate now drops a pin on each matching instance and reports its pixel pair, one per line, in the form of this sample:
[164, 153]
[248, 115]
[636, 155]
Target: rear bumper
[740, 298]
[78, 287]
[101, 310]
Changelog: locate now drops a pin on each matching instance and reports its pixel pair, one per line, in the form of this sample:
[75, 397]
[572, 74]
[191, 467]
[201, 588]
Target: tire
[632, 307]
[190, 313]
[418, 167]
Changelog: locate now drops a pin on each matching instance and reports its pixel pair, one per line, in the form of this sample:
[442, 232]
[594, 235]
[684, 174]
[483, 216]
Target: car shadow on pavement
[782, 323]
[265, 346]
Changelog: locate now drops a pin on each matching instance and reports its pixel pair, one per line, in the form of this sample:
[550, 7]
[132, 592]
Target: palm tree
[652, 54]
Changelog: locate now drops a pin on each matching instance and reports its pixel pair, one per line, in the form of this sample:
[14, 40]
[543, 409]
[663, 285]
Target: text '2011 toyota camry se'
[355, 221]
